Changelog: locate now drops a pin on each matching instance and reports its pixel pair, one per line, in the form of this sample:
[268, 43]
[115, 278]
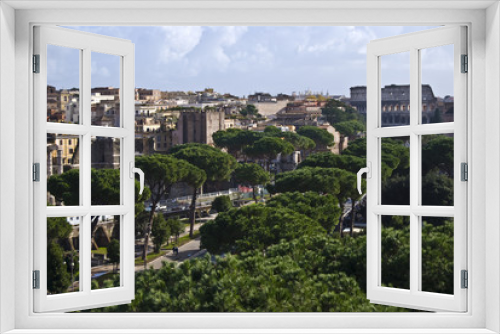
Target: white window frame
[86, 44]
[412, 44]
[484, 102]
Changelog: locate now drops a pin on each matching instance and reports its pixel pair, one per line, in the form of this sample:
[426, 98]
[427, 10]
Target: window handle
[139, 171]
[368, 171]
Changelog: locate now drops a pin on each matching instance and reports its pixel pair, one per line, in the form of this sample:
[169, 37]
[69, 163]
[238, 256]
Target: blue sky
[242, 60]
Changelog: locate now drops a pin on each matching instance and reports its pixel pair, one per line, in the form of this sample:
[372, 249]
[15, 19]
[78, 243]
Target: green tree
[222, 204]
[299, 142]
[249, 110]
[58, 276]
[235, 140]
[336, 111]
[395, 255]
[320, 180]
[321, 137]
[255, 227]
[350, 128]
[160, 232]
[345, 162]
[161, 172]
[437, 255]
[437, 154]
[268, 148]
[329, 160]
[357, 148]
[65, 187]
[273, 131]
[437, 189]
[338, 182]
[252, 175]
[212, 162]
[396, 190]
[322, 208]
[176, 227]
[105, 185]
[113, 252]
[195, 178]
[140, 198]
[58, 229]
[308, 274]
[395, 155]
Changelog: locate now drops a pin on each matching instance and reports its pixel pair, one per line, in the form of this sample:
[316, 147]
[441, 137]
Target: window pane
[105, 252]
[63, 175]
[437, 84]
[105, 90]
[63, 84]
[395, 255]
[395, 171]
[437, 254]
[105, 181]
[395, 83]
[437, 170]
[63, 254]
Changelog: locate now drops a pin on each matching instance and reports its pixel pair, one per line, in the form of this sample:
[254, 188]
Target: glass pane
[437, 254]
[395, 171]
[63, 84]
[437, 84]
[63, 175]
[437, 170]
[63, 254]
[395, 85]
[105, 171]
[105, 82]
[105, 252]
[395, 255]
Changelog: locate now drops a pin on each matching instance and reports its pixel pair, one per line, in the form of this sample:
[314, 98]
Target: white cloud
[179, 42]
[101, 71]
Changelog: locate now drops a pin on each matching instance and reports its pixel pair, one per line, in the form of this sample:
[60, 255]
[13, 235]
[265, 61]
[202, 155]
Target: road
[187, 251]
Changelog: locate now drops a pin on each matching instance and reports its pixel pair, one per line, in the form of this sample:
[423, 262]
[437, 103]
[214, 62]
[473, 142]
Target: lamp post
[72, 277]
[72, 265]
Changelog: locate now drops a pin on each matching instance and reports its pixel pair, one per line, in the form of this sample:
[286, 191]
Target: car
[158, 208]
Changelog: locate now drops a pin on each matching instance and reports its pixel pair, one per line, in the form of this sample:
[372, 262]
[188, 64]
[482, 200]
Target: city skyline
[244, 60]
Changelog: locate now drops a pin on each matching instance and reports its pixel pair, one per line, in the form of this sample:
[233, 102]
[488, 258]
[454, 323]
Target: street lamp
[72, 265]
[72, 277]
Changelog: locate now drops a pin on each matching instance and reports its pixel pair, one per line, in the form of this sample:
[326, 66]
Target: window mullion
[414, 170]
[85, 165]
[85, 256]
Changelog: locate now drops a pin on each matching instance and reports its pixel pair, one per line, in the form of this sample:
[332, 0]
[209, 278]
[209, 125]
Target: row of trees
[267, 145]
[309, 273]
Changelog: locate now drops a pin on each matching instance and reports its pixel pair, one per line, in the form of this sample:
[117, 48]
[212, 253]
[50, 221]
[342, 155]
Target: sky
[242, 60]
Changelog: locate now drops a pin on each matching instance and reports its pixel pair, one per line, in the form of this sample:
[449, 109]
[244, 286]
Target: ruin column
[59, 162]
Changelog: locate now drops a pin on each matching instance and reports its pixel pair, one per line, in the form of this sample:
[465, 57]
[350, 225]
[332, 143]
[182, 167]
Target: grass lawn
[101, 250]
